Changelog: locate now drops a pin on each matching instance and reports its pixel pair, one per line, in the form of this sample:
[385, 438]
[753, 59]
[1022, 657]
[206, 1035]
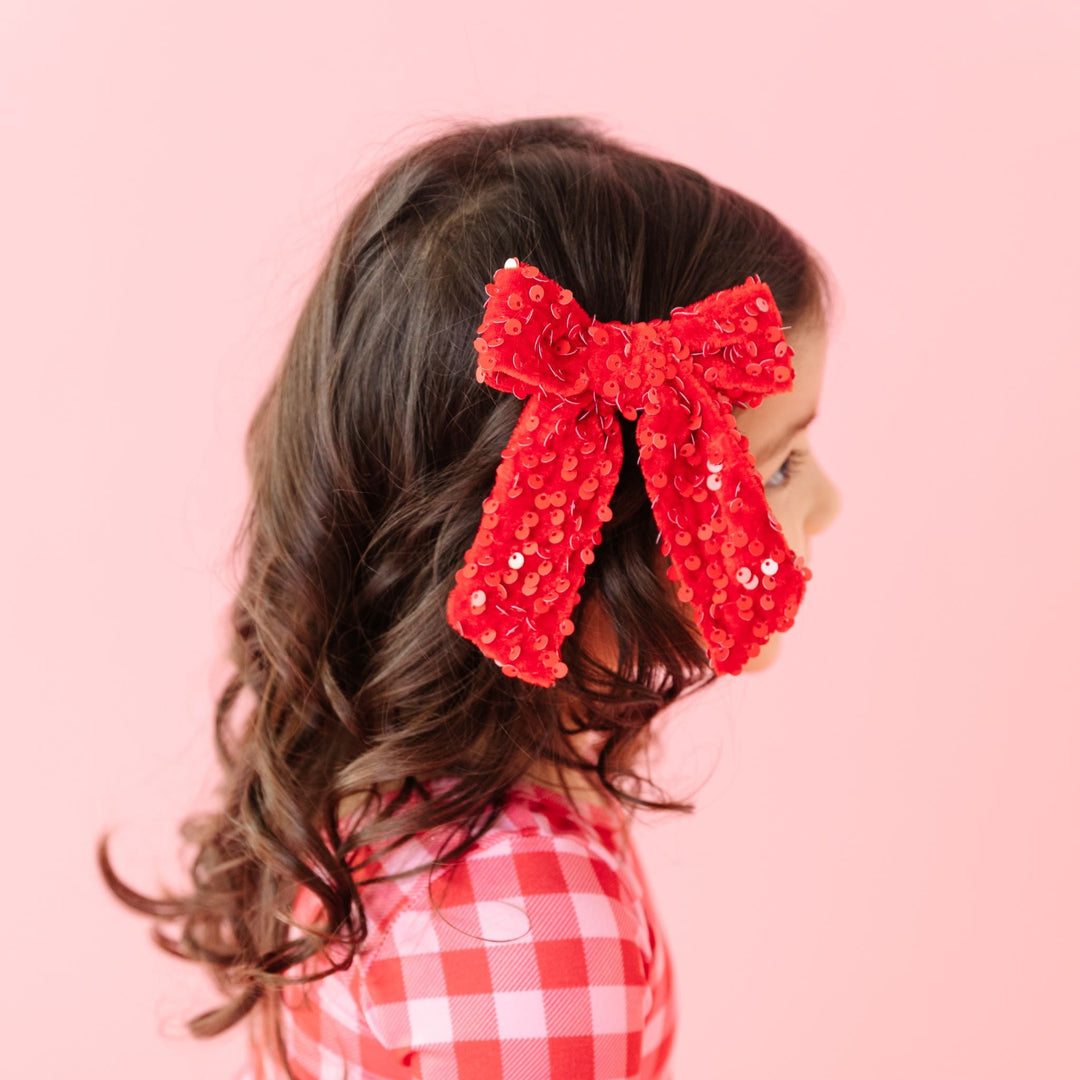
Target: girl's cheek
[791, 522]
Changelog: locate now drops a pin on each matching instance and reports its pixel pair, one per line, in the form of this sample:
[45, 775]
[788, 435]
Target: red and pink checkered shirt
[536, 956]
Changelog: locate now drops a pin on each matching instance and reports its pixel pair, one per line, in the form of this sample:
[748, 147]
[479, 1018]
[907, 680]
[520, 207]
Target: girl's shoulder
[541, 844]
[543, 853]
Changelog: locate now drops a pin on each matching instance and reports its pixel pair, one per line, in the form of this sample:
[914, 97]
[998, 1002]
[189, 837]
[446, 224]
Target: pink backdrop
[882, 876]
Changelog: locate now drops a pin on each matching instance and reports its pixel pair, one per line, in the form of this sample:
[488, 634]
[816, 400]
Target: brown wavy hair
[370, 455]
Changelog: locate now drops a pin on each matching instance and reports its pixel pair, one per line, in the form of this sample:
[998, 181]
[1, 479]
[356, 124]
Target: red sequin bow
[514, 595]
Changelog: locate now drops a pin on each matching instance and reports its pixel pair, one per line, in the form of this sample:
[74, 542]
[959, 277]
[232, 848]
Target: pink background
[883, 876]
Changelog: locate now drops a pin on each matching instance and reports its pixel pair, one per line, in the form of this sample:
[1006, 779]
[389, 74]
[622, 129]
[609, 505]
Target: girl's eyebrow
[776, 444]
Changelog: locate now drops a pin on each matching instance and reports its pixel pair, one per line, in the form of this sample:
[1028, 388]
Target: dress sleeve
[523, 961]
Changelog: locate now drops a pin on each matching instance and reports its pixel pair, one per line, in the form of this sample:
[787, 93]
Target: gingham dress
[536, 956]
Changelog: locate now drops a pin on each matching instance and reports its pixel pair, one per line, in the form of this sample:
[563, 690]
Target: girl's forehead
[778, 413]
[808, 346]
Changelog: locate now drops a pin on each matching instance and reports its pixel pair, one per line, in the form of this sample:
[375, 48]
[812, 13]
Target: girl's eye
[786, 471]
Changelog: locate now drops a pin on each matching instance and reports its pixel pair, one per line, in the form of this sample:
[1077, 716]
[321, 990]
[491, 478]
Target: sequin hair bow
[678, 379]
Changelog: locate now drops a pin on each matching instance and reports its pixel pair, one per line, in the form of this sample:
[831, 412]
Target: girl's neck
[582, 787]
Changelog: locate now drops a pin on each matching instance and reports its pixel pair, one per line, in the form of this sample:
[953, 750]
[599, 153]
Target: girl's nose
[826, 507]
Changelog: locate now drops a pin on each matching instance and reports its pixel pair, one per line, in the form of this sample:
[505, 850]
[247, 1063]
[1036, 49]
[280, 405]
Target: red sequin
[677, 378]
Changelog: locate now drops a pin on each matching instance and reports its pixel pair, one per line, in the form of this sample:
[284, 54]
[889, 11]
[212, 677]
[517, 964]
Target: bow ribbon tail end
[522, 575]
[726, 550]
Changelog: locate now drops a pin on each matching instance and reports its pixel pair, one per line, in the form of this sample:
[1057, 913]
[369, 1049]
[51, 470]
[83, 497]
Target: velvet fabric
[678, 379]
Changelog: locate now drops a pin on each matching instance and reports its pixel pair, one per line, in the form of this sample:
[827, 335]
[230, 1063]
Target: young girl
[422, 865]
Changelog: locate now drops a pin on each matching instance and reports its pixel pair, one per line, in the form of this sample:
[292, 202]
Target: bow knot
[626, 362]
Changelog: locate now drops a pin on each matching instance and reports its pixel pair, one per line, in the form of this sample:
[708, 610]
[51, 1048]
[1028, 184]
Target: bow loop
[532, 338]
[736, 341]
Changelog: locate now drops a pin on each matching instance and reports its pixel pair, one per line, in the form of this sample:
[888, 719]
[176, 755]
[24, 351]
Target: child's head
[376, 446]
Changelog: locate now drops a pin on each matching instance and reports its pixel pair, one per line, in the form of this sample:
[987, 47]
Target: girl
[422, 867]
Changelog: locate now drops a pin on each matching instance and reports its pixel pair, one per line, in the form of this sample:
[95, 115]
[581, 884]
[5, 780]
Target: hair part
[370, 455]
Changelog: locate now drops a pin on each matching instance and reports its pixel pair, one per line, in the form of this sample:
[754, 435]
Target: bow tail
[523, 572]
[726, 549]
